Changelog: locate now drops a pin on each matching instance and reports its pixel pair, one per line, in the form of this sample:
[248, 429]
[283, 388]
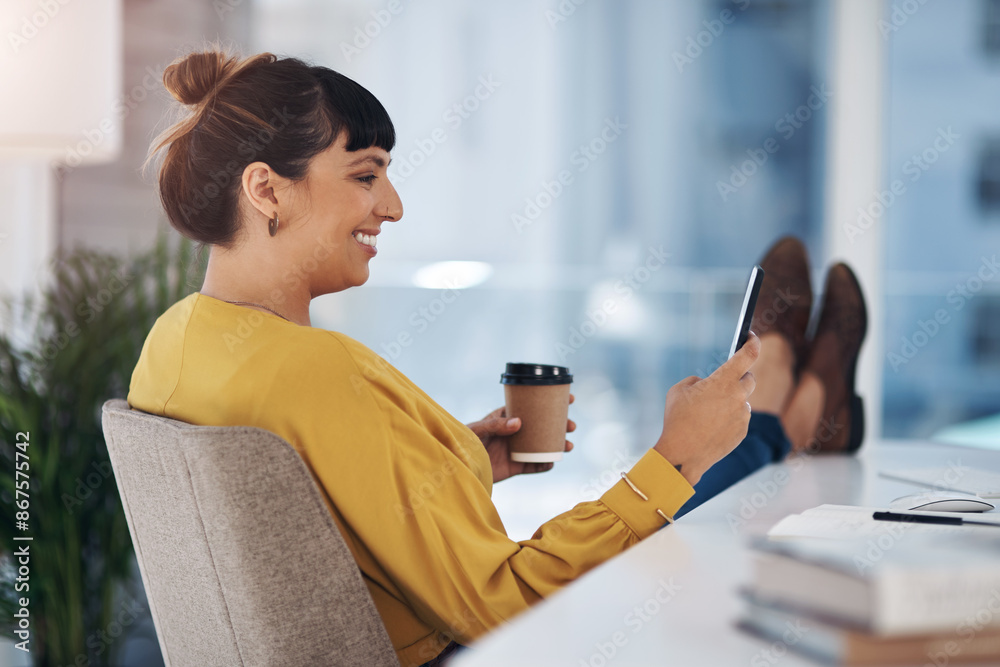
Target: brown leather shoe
[842, 325]
[785, 300]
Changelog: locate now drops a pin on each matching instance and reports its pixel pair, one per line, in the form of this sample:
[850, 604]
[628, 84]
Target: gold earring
[272, 224]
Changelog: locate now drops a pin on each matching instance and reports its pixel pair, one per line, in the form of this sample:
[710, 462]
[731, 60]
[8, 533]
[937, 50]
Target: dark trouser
[765, 443]
[445, 656]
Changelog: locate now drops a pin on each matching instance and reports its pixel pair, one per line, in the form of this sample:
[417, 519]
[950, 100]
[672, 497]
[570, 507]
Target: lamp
[60, 73]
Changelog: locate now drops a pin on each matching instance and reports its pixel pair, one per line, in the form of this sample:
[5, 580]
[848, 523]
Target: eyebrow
[376, 159]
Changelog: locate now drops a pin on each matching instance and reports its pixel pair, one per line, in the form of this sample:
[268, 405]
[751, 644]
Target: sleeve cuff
[666, 488]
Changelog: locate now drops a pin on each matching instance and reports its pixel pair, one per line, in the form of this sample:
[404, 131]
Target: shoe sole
[857, 409]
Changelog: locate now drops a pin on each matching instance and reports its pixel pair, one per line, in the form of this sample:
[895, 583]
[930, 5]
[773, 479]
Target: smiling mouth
[366, 239]
[366, 243]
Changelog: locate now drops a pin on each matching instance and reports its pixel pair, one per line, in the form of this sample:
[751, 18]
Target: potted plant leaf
[62, 355]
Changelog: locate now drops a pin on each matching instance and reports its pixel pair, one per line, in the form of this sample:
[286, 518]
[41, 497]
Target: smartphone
[746, 313]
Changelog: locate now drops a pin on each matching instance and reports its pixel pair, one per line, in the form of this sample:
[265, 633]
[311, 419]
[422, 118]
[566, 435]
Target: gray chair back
[241, 560]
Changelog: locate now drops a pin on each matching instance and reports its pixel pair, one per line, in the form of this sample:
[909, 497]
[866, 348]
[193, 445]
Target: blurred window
[989, 178]
[942, 281]
[991, 27]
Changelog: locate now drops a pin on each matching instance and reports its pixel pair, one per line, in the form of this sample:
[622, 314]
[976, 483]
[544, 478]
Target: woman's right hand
[706, 418]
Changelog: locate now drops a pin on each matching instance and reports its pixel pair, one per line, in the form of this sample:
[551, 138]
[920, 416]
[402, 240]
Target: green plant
[61, 356]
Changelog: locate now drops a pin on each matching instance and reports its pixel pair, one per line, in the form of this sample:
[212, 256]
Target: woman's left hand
[495, 431]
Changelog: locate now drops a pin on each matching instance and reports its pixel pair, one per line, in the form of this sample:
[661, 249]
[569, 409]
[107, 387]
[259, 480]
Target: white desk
[706, 560]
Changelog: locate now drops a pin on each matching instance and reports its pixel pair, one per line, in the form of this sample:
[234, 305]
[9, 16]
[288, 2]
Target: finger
[569, 446]
[499, 412]
[537, 467]
[502, 425]
[570, 426]
[572, 398]
[688, 381]
[749, 383]
[740, 363]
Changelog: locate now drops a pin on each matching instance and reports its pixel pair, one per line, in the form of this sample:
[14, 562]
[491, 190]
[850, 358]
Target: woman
[281, 169]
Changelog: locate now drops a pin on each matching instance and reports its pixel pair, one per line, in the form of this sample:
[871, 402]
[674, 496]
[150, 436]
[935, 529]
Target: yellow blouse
[408, 485]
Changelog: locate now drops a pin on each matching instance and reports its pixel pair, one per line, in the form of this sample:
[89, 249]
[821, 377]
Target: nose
[393, 204]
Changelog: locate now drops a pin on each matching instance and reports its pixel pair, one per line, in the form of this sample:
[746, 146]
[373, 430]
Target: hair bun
[191, 78]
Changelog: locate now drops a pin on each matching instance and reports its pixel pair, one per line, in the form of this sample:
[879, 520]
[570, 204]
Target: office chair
[241, 560]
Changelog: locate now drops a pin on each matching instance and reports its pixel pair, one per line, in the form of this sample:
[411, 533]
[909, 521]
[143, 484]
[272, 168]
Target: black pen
[928, 518]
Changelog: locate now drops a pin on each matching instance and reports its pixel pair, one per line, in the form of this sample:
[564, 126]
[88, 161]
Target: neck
[232, 276]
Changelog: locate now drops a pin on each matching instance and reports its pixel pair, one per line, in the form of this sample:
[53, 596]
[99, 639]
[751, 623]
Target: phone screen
[746, 312]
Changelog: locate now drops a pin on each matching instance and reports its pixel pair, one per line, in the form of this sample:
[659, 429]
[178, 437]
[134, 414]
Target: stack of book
[896, 599]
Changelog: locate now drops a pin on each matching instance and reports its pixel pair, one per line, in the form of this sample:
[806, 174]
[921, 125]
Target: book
[904, 582]
[824, 640]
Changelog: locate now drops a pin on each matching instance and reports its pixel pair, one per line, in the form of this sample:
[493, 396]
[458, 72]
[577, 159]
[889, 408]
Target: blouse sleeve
[428, 520]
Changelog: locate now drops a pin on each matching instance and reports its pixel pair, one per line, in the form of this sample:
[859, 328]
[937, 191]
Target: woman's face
[337, 212]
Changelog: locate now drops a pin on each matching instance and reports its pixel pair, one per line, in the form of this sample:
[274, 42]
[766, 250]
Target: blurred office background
[642, 154]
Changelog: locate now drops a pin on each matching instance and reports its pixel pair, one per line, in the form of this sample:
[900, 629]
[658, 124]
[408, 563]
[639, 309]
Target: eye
[367, 179]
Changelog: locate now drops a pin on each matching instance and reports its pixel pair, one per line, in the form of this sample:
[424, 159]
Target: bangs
[350, 107]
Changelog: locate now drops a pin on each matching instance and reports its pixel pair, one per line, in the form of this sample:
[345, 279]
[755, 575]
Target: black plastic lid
[536, 374]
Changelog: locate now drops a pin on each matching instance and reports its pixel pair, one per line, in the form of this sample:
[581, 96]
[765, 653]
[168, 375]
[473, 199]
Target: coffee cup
[539, 395]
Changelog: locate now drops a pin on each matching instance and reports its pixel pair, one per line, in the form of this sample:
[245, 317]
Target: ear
[260, 187]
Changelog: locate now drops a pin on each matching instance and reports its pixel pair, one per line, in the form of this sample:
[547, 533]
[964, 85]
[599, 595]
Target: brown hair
[280, 111]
